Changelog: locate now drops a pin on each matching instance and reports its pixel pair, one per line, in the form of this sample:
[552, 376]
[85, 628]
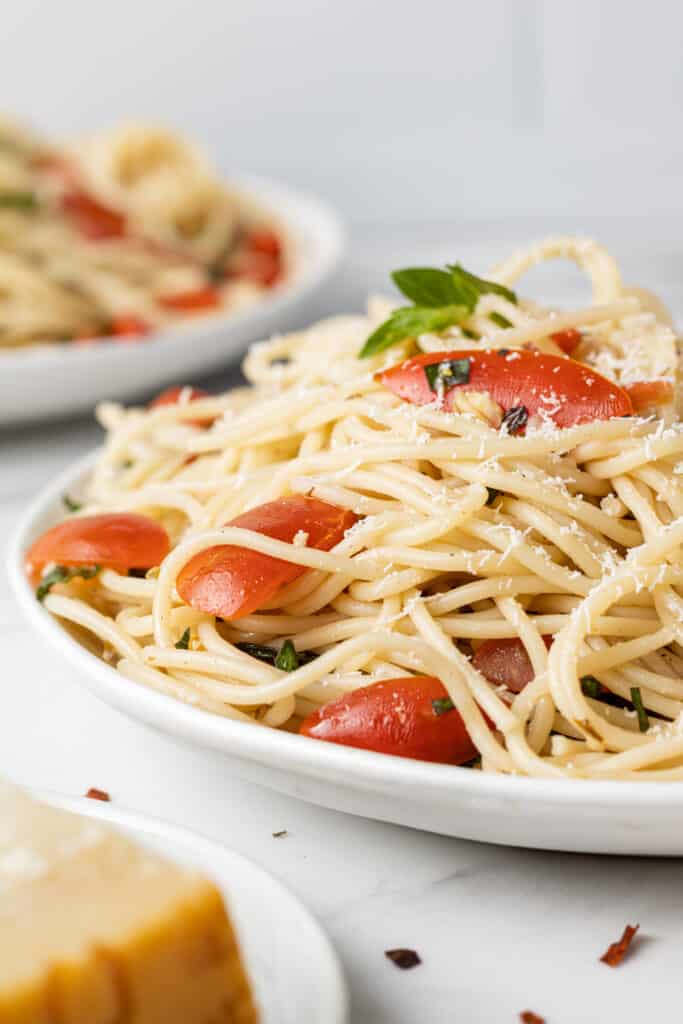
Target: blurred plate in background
[41, 382]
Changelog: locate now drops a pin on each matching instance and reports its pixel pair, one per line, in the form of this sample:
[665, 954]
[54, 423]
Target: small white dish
[586, 816]
[291, 964]
[41, 382]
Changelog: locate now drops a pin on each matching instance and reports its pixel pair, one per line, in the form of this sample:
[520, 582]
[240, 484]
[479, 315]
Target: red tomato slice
[129, 326]
[122, 541]
[190, 302]
[93, 219]
[645, 394]
[505, 662]
[567, 340]
[563, 390]
[172, 395]
[263, 240]
[395, 716]
[231, 582]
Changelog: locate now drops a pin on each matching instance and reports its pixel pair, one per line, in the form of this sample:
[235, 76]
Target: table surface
[499, 930]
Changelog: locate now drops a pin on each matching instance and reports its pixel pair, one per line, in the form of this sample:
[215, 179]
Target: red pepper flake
[618, 950]
[529, 1017]
[403, 958]
[98, 794]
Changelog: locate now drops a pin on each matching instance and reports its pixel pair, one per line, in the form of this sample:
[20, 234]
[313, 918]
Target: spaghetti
[120, 235]
[448, 531]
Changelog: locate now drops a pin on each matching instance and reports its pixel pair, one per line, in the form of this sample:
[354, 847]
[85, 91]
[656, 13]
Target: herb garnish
[447, 373]
[271, 654]
[637, 700]
[515, 419]
[403, 958]
[63, 574]
[441, 705]
[287, 659]
[184, 643]
[70, 505]
[590, 686]
[499, 320]
[442, 298]
[17, 199]
[409, 322]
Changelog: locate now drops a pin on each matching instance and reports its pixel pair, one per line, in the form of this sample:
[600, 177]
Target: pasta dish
[449, 530]
[120, 235]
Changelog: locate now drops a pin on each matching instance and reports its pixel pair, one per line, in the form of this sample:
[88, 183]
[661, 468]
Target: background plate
[47, 381]
[291, 963]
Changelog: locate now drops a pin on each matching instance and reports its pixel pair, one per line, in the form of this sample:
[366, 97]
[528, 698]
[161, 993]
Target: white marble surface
[499, 930]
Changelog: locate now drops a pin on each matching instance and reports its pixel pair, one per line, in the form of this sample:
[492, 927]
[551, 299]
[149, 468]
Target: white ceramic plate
[47, 381]
[292, 966]
[575, 815]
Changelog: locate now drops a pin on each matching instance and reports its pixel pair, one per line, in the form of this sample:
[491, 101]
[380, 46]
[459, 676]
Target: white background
[396, 110]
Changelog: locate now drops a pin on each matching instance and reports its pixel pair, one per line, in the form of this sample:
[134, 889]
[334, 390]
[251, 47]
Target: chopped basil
[493, 494]
[184, 642]
[441, 705]
[70, 504]
[515, 419]
[637, 700]
[447, 373]
[62, 574]
[271, 654]
[441, 299]
[18, 199]
[403, 958]
[409, 322]
[590, 686]
[500, 320]
[287, 659]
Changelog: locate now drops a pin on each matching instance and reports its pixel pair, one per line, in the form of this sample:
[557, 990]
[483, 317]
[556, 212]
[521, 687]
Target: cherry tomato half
[559, 389]
[395, 716]
[231, 581]
[122, 540]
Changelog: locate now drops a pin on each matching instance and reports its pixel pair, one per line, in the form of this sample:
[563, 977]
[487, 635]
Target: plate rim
[279, 199]
[361, 768]
[139, 822]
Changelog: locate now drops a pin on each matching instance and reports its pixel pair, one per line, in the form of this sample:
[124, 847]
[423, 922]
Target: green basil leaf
[474, 286]
[427, 286]
[447, 373]
[499, 321]
[287, 659]
[441, 705]
[590, 687]
[62, 574]
[637, 700]
[409, 322]
[184, 642]
[70, 504]
[17, 200]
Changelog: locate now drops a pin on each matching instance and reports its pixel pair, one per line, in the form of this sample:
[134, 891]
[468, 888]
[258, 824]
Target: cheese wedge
[96, 930]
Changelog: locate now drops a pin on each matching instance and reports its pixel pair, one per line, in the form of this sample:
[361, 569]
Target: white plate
[294, 970]
[579, 815]
[45, 381]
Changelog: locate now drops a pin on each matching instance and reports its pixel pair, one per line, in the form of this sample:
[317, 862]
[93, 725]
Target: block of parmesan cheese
[96, 930]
